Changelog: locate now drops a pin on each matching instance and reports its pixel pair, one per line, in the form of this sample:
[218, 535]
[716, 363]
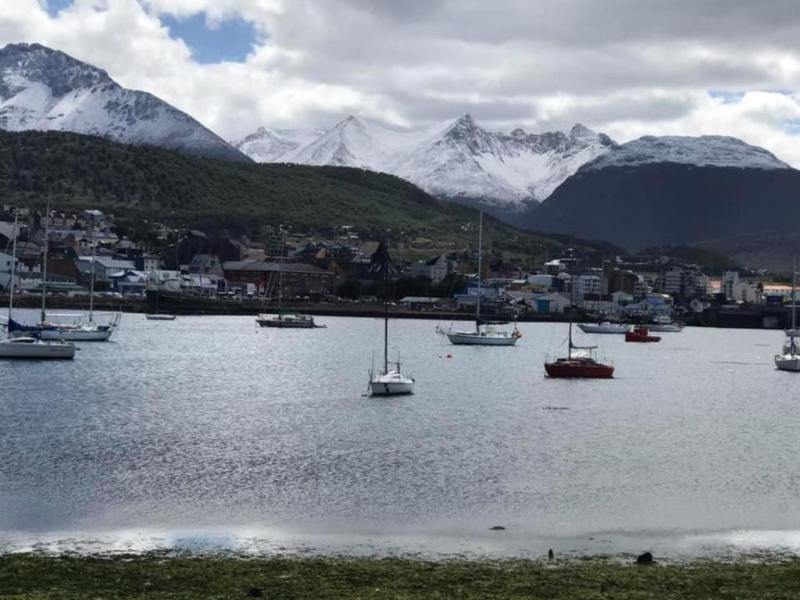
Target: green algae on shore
[154, 576]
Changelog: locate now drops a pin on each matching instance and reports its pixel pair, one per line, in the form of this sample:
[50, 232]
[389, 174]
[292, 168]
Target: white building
[435, 269]
[739, 290]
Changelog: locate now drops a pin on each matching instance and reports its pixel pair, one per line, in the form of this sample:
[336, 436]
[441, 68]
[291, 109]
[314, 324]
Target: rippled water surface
[209, 431]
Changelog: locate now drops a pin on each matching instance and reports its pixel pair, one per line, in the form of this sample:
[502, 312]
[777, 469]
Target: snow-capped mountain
[674, 190]
[701, 151]
[45, 89]
[269, 145]
[458, 159]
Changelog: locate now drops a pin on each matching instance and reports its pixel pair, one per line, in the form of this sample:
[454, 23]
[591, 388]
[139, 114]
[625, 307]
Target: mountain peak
[580, 130]
[701, 151]
[46, 89]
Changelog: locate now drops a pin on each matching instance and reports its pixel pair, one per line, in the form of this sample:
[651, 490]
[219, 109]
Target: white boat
[488, 335]
[604, 327]
[387, 381]
[390, 383]
[664, 324]
[29, 347]
[789, 358]
[32, 348]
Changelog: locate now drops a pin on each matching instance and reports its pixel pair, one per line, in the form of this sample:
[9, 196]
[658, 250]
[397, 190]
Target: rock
[644, 559]
[255, 592]
[497, 528]
[550, 554]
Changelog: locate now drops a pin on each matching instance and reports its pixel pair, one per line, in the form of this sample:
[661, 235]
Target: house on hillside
[435, 269]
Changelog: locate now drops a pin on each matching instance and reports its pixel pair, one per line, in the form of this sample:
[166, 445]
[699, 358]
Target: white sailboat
[387, 381]
[789, 358]
[83, 332]
[604, 327]
[488, 335]
[29, 347]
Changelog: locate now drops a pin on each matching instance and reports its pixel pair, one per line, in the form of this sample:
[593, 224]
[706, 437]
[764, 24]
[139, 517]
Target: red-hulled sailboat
[581, 364]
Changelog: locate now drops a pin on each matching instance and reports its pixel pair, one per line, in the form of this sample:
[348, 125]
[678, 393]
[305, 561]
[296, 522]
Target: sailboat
[387, 382]
[282, 319]
[77, 332]
[789, 358]
[580, 362]
[29, 346]
[488, 336]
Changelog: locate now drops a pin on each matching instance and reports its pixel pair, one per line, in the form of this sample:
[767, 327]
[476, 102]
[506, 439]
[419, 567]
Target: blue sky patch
[727, 97]
[54, 6]
[792, 126]
[231, 40]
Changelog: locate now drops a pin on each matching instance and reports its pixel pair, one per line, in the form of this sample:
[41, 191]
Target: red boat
[640, 333]
[575, 367]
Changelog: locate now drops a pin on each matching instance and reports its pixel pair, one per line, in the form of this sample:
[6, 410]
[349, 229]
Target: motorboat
[640, 333]
[485, 333]
[664, 324]
[33, 348]
[604, 327]
[387, 381]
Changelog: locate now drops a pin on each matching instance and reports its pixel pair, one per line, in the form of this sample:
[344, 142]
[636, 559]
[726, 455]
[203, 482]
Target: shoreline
[169, 575]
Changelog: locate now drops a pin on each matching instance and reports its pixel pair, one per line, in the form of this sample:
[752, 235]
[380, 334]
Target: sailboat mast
[13, 267]
[44, 264]
[480, 264]
[386, 317]
[571, 304]
[91, 285]
[794, 301]
[281, 250]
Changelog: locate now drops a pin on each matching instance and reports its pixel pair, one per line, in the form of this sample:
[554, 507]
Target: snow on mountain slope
[457, 159]
[44, 89]
[706, 150]
[272, 145]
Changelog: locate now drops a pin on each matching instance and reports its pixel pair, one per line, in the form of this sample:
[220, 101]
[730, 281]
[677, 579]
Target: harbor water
[211, 433]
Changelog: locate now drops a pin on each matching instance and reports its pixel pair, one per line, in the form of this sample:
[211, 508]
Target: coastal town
[193, 271]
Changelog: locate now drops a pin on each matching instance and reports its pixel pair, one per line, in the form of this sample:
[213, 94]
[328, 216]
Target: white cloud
[627, 67]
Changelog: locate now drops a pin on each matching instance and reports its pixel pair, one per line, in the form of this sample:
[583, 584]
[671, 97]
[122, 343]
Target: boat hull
[391, 388]
[665, 328]
[472, 339]
[570, 369]
[610, 328]
[75, 335]
[788, 362]
[286, 324]
[36, 350]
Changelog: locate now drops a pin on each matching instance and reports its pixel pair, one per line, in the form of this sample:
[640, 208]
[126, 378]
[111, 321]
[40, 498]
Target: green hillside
[139, 184]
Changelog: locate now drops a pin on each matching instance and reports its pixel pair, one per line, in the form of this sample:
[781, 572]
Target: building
[738, 290]
[684, 281]
[421, 302]
[299, 279]
[435, 269]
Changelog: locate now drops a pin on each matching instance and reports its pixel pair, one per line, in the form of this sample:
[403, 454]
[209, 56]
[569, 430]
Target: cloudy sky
[625, 67]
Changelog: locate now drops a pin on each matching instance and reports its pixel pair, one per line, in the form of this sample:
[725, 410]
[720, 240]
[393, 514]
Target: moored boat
[789, 358]
[604, 327]
[388, 381]
[640, 333]
[663, 324]
[488, 335]
[580, 362]
[288, 320]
